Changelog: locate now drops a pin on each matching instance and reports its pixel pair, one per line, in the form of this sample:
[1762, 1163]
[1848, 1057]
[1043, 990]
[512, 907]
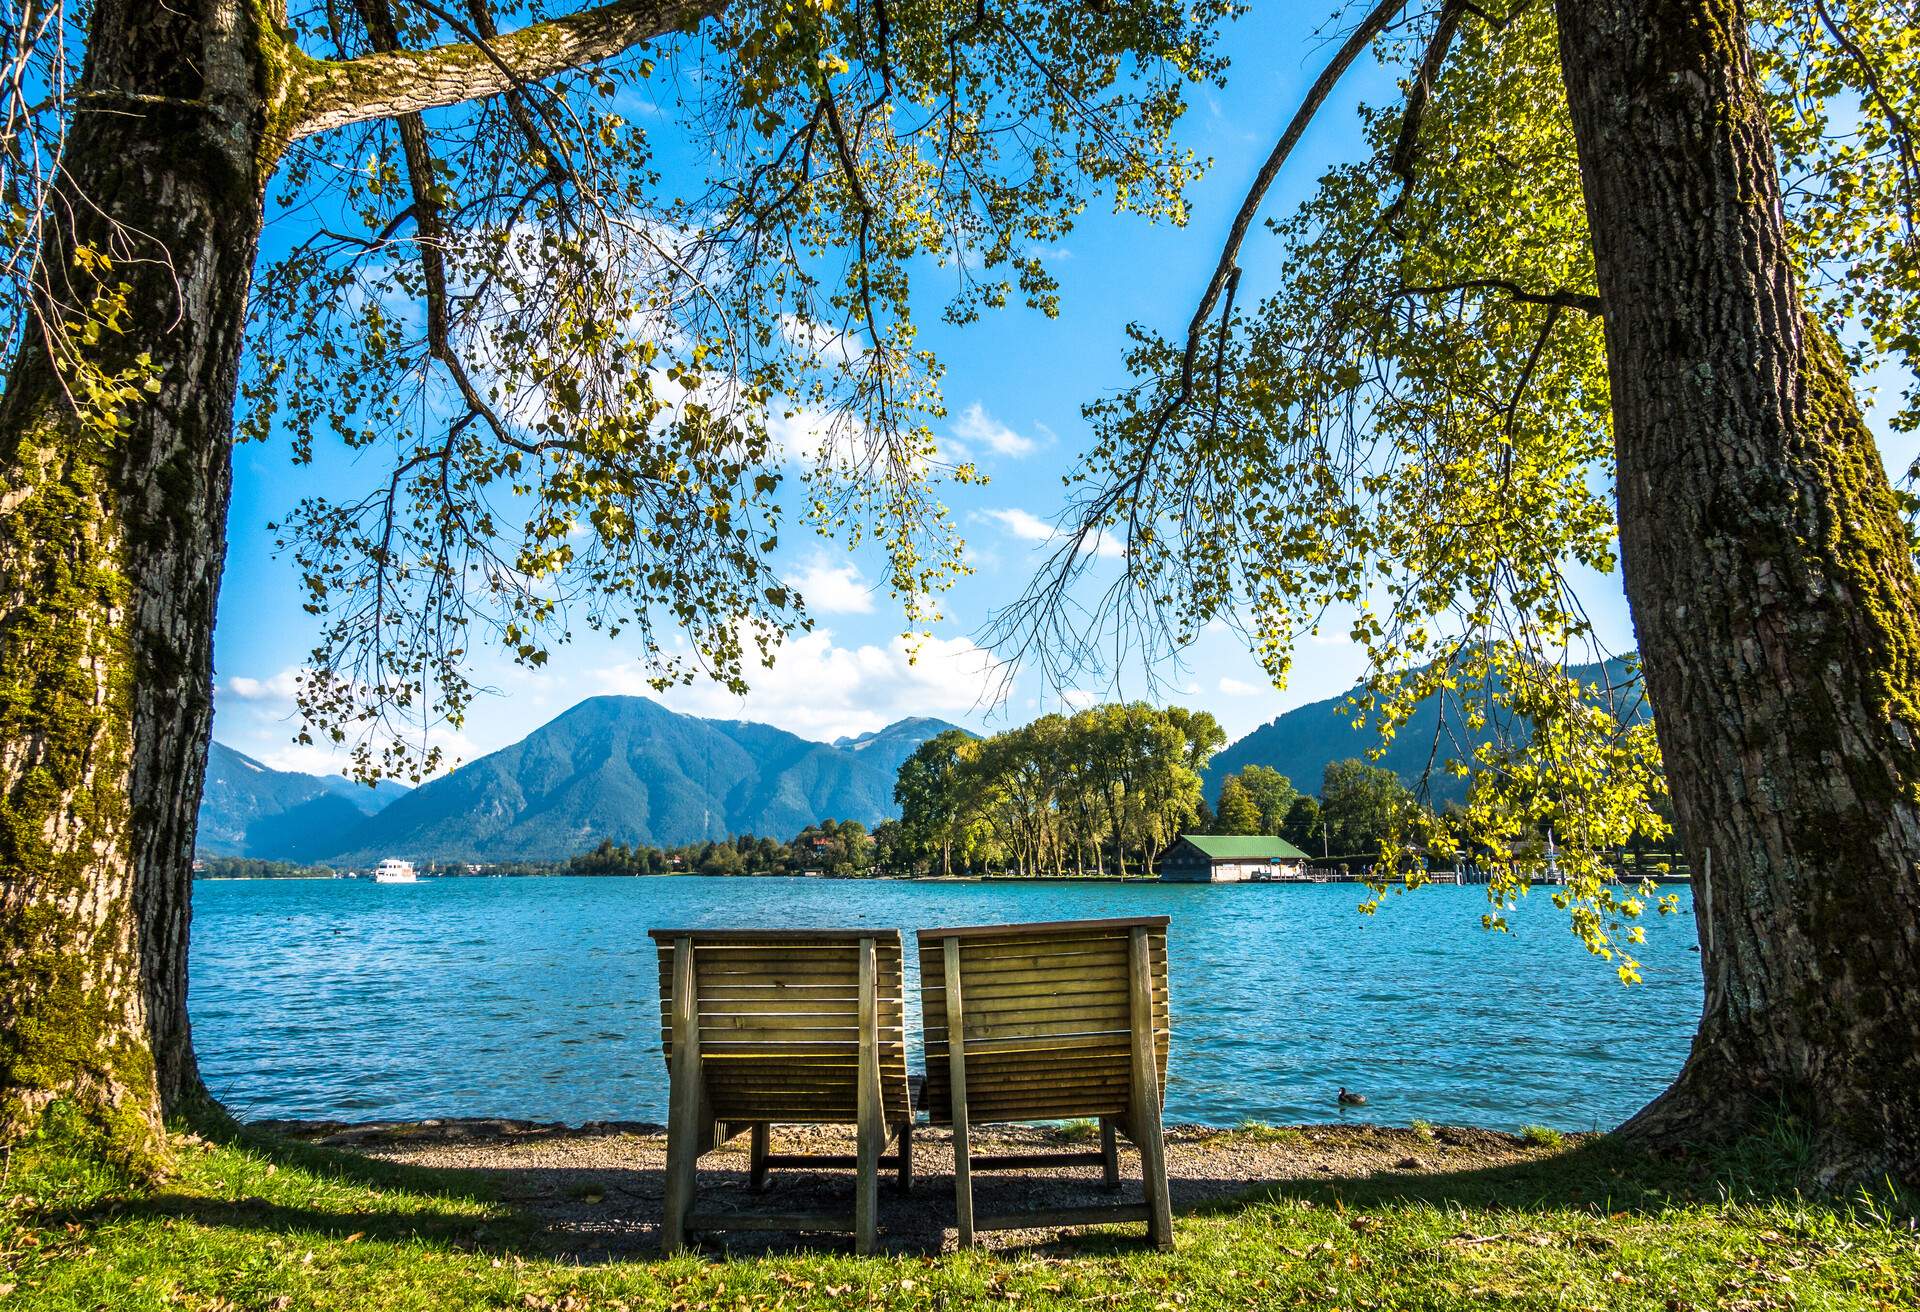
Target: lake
[538, 998]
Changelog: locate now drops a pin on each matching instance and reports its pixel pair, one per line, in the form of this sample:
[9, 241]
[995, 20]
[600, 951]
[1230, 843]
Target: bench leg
[957, 1087]
[1109, 1154]
[1153, 1175]
[757, 1155]
[905, 1178]
[870, 1117]
[683, 1104]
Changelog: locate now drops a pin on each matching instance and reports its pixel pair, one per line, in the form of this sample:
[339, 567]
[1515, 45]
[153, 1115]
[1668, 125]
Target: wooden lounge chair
[792, 1026]
[1046, 1022]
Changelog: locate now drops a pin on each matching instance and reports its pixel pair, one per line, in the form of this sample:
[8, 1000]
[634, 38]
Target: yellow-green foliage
[1414, 432]
[1843, 79]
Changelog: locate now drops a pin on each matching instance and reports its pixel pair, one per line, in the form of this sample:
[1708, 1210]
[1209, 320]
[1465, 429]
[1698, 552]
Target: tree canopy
[1101, 791]
[584, 420]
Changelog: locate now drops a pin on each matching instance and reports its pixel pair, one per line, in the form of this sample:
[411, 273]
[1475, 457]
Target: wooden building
[1231, 859]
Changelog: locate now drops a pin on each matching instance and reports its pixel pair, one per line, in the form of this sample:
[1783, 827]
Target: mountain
[889, 748]
[629, 769]
[250, 809]
[1303, 742]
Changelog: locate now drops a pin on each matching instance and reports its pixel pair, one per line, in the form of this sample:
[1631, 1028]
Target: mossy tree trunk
[113, 517]
[1773, 593]
[110, 554]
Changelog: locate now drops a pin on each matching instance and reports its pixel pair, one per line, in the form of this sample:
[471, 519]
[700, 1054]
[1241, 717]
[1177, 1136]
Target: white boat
[395, 871]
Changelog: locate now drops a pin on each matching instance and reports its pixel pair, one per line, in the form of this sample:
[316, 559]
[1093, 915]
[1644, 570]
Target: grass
[251, 1224]
[1543, 1136]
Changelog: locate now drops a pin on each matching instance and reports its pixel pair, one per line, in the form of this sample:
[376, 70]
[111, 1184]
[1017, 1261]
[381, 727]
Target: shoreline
[597, 1189]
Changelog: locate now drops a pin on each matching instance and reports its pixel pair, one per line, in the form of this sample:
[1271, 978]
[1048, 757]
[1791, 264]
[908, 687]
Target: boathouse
[1231, 859]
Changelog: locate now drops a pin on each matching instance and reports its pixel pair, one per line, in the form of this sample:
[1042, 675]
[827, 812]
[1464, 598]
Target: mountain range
[1303, 742]
[624, 768]
[629, 769]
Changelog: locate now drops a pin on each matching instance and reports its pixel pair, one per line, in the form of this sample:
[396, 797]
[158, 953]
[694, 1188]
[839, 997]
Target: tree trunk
[111, 546]
[1773, 593]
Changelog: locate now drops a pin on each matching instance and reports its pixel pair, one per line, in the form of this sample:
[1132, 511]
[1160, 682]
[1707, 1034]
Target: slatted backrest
[1048, 1017]
[779, 1021]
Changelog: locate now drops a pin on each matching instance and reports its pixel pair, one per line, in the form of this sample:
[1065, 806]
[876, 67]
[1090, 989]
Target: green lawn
[258, 1224]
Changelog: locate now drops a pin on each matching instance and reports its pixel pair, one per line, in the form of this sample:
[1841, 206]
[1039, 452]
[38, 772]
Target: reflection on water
[538, 998]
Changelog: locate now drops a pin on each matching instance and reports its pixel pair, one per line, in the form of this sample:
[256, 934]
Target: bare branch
[1357, 41]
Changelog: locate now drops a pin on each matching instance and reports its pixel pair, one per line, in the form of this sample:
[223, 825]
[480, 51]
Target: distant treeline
[246, 867]
[835, 847]
[1355, 810]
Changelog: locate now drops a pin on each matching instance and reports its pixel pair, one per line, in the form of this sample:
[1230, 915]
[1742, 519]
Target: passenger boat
[395, 871]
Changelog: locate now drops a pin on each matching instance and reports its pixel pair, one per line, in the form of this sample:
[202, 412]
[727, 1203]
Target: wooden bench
[1046, 1022]
[782, 1026]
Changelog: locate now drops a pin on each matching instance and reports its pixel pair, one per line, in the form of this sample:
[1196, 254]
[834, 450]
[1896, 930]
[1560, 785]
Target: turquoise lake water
[538, 998]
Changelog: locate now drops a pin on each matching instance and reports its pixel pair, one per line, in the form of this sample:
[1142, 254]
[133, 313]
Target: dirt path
[596, 1190]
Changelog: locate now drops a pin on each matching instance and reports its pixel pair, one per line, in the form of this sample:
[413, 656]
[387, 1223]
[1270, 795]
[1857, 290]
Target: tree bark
[1773, 593]
[110, 554]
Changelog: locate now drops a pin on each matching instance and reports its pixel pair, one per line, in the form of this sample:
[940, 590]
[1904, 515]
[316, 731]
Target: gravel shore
[595, 1190]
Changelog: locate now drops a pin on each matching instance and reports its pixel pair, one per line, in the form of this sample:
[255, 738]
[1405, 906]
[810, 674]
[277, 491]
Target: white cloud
[820, 690]
[1025, 525]
[976, 425]
[275, 688]
[831, 589]
[1235, 688]
[1029, 527]
[805, 435]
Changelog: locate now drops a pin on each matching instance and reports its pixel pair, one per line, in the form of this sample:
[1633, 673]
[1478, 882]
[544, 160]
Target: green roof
[1245, 847]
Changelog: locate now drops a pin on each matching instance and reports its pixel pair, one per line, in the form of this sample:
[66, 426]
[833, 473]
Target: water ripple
[538, 998]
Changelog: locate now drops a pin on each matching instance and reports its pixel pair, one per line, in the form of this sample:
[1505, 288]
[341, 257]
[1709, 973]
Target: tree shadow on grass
[609, 1209]
[1598, 1174]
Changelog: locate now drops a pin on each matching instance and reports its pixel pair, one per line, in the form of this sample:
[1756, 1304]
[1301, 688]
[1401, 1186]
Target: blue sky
[1014, 387]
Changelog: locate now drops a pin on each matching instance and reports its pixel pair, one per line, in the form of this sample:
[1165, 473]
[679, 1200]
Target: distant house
[1231, 859]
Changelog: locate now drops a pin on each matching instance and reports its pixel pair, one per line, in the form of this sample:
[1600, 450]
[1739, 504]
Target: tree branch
[384, 84]
[1357, 41]
[1897, 126]
[1418, 97]
[1226, 270]
[1585, 302]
